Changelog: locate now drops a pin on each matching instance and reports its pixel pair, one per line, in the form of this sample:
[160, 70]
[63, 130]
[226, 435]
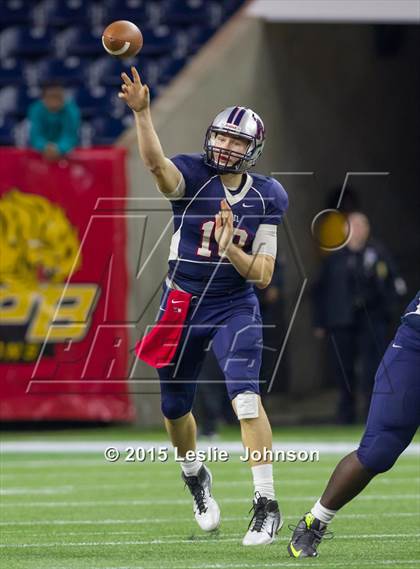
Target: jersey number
[207, 230]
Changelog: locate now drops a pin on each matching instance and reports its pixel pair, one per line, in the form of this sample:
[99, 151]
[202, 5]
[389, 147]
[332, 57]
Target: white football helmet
[235, 121]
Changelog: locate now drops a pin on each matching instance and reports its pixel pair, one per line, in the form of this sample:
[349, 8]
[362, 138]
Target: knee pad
[247, 405]
[380, 453]
[175, 406]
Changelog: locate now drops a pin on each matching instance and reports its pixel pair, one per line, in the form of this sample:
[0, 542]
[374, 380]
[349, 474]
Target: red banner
[63, 287]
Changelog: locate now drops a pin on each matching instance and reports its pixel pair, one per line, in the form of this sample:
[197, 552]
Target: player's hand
[51, 152]
[223, 232]
[133, 92]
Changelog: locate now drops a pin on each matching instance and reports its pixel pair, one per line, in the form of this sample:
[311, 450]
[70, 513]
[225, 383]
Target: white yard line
[147, 521]
[167, 502]
[292, 563]
[51, 490]
[33, 491]
[51, 462]
[195, 541]
[25, 464]
[234, 447]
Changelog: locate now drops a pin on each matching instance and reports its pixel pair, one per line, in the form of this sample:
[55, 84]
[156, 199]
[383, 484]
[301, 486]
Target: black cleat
[306, 537]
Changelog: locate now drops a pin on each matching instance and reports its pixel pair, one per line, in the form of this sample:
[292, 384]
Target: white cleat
[265, 523]
[206, 510]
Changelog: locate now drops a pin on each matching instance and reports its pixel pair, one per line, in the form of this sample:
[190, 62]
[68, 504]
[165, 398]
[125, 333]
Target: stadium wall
[329, 103]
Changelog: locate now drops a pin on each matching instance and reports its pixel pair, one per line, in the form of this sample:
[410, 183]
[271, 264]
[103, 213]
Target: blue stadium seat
[185, 12]
[80, 41]
[14, 12]
[27, 43]
[12, 73]
[15, 101]
[96, 101]
[230, 6]
[107, 70]
[126, 4]
[64, 13]
[157, 40]
[24, 98]
[70, 71]
[106, 130]
[189, 39]
[61, 40]
[7, 131]
[7, 100]
[135, 11]
[169, 68]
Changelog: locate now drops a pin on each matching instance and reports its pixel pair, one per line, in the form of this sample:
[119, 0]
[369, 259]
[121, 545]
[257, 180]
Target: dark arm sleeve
[276, 203]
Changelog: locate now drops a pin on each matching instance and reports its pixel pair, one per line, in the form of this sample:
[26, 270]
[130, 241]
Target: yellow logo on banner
[39, 250]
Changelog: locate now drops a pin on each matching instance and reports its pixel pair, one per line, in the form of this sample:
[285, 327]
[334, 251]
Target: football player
[393, 419]
[224, 243]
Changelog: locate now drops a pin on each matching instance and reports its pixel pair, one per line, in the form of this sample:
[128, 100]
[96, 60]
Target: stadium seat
[97, 101]
[185, 12]
[7, 126]
[14, 101]
[60, 40]
[70, 71]
[7, 101]
[134, 11]
[12, 73]
[62, 14]
[157, 40]
[105, 130]
[189, 39]
[27, 43]
[107, 70]
[169, 68]
[14, 12]
[80, 41]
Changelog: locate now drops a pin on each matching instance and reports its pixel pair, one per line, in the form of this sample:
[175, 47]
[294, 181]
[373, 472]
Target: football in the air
[122, 39]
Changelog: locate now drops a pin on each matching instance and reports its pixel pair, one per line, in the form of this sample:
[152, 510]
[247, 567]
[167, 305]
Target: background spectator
[353, 302]
[54, 122]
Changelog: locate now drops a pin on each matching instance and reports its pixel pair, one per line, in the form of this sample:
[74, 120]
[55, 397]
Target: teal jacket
[61, 128]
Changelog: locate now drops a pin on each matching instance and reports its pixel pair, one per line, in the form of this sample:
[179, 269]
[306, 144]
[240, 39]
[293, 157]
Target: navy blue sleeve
[411, 315]
[276, 203]
[192, 168]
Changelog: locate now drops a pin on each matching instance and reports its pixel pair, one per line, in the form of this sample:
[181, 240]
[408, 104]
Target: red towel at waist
[158, 347]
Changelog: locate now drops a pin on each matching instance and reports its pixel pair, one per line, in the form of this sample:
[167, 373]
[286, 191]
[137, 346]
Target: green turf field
[73, 510]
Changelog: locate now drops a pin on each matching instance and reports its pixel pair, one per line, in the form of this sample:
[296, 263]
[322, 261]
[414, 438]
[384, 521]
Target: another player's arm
[258, 268]
[137, 97]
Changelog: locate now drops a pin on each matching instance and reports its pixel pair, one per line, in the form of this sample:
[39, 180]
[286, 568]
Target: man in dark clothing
[353, 303]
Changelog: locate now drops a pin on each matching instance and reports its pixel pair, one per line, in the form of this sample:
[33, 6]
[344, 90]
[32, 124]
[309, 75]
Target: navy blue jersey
[194, 261]
[408, 334]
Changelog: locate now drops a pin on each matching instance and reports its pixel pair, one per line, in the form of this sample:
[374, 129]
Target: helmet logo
[233, 126]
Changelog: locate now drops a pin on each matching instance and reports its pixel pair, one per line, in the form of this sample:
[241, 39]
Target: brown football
[122, 39]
